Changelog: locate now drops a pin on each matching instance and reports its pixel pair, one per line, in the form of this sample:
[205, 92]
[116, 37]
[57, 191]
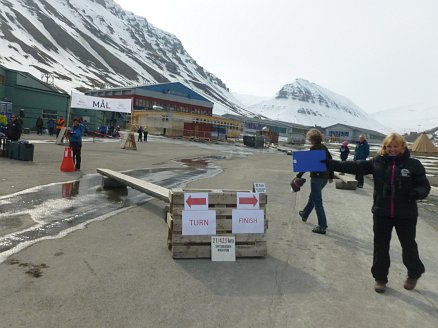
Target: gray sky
[381, 54]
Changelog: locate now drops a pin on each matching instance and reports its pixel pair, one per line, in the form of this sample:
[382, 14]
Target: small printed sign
[198, 223]
[248, 200]
[248, 221]
[196, 201]
[259, 187]
[223, 248]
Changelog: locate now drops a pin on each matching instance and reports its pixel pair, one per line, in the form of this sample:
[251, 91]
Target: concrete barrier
[345, 181]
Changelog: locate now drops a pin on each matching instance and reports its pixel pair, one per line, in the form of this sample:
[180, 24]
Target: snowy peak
[307, 103]
[86, 44]
[308, 92]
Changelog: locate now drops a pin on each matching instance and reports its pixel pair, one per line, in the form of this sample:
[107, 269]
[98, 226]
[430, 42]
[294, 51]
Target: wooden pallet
[223, 202]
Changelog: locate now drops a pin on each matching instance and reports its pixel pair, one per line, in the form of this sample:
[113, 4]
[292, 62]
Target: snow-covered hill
[417, 118]
[86, 44]
[307, 103]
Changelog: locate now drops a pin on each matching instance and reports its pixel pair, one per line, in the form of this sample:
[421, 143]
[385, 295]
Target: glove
[413, 195]
[297, 183]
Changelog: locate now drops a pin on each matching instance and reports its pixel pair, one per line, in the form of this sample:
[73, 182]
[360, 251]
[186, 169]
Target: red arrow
[248, 200]
[196, 201]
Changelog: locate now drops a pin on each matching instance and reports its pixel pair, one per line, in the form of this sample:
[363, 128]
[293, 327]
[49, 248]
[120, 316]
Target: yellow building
[179, 124]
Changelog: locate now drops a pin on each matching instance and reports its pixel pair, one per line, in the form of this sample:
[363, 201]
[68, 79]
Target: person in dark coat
[344, 150]
[318, 181]
[39, 125]
[361, 152]
[140, 133]
[13, 129]
[75, 137]
[51, 126]
[399, 181]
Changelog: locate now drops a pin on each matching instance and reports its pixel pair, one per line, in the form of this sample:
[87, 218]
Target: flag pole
[69, 109]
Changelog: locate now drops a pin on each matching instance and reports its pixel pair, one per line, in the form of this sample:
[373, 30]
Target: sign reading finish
[121, 105]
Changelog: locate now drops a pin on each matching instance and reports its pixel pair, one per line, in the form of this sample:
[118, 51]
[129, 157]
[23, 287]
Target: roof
[174, 88]
[52, 88]
[357, 128]
[424, 145]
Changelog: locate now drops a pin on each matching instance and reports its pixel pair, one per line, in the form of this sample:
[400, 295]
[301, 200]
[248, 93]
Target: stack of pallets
[199, 246]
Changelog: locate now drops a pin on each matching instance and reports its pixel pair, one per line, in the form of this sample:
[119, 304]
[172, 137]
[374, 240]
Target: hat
[297, 183]
[344, 143]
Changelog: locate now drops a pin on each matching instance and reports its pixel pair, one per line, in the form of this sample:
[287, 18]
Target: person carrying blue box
[318, 180]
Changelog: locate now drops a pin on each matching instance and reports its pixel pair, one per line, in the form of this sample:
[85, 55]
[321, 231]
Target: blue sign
[308, 161]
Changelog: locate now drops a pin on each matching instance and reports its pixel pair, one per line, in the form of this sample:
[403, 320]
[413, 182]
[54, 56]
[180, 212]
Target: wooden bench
[140, 185]
[345, 181]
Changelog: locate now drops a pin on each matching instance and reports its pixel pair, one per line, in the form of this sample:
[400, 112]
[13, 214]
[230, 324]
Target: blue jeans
[315, 201]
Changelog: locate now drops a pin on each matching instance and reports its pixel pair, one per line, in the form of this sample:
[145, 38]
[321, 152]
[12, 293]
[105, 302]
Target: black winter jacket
[398, 183]
[13, 130]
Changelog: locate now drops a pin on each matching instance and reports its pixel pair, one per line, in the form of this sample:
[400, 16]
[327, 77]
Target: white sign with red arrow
[196, 201]
[248, 201]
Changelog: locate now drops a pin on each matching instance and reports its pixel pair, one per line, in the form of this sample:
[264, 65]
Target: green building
[20, 92]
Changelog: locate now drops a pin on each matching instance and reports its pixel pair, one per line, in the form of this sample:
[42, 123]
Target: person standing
[39, 125]
[75, 137]
[318, 181]
[145, 134]
[59, 125]
[344, 150]
[51, 126]
[399, 181]
[13, 129]
[361, 152]
[140, 134]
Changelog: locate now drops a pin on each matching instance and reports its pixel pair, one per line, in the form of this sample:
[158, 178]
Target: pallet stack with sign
[194, 216]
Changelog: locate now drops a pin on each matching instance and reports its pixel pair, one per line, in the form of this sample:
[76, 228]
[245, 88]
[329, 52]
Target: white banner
[100, 103]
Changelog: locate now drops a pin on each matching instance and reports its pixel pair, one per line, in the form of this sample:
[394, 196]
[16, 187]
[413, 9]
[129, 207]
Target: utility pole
[47, 77]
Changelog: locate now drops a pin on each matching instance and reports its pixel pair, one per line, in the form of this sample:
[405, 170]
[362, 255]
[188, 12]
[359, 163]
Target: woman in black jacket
[399, 181]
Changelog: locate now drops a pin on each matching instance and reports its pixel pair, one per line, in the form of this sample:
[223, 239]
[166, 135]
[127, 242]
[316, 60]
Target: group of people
[399, 181]
[142, 134]
[53, 127]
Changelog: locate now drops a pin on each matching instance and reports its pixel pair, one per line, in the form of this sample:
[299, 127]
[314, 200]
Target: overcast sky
[381, 54]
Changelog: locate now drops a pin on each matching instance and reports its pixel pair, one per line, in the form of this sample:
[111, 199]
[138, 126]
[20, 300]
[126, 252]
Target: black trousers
[359, 179]
[406, 231]
[76, 147]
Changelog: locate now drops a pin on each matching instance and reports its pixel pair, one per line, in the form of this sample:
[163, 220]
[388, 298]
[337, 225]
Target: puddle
[52, 211]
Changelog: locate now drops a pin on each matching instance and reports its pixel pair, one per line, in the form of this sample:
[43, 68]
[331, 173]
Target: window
[49, 114]
[2, 80]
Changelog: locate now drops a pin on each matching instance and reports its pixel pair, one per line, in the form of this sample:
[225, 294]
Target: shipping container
[197, 130]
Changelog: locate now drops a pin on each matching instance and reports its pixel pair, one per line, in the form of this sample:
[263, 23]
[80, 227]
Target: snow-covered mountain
[86, 44]
[417, 118]
[307, 103]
